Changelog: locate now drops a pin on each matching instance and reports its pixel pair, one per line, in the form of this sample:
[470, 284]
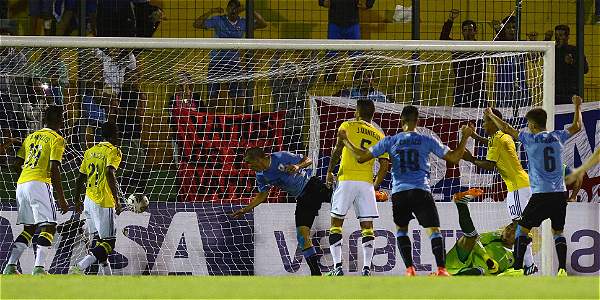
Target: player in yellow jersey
[39, 157]
[355, 185]
[502, 155]
[98, 174]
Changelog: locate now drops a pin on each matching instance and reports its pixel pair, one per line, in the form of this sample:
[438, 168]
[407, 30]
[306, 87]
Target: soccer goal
[189, 108]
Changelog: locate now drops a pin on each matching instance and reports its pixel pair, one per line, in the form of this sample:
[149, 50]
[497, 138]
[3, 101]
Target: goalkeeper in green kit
[488, 253]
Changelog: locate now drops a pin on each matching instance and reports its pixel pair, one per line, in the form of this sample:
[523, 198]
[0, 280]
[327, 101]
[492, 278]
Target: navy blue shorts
[40, 8]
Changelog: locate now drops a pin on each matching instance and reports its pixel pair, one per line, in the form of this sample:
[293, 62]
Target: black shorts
[308, 204]
[542, 206]
[415, 203]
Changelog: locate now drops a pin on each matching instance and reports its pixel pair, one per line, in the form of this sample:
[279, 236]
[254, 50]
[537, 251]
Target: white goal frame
[547, 48]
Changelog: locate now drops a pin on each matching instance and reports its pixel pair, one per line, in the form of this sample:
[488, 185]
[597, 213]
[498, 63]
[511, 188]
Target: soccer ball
[138, 202]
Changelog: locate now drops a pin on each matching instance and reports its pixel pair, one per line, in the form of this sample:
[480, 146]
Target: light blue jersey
[275, 175]
[409, 152]
[544, 151]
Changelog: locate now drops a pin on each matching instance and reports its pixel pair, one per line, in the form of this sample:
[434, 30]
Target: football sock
[40, 255]
[437, 247]
[560, 243]
[520, 247]
[106, 269]
[21, 243]
[528, 258]
[368, 237]
[310, 254]
[335, 245]
[465, 221]
[86, 262]
[404, 247]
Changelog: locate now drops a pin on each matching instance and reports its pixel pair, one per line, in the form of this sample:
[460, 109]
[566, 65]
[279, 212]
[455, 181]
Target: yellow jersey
[39, 148]
[365, 135]
[96, 160]
[501, 149]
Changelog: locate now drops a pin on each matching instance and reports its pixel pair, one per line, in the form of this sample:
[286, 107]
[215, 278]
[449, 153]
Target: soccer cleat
[561, 273]
[39, 271]
[492, 266]
[512, 272]
[75, 270]
[366, 271]
[11, 270]
[530, 270]
[410, 272]
[441, 271]
[336, 272]
[466, 196]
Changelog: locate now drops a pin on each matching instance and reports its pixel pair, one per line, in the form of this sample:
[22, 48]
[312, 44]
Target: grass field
[98, 287]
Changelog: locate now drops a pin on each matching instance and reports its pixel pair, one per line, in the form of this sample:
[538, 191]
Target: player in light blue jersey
[549, 198]
[288, 172]
[411, 194]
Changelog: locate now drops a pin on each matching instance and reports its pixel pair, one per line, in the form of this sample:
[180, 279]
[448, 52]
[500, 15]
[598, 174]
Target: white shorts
[99, 219]
[361, 194]
[35, 203]
[516, 202]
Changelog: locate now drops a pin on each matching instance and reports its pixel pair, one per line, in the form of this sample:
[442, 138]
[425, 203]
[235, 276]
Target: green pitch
[101, 287]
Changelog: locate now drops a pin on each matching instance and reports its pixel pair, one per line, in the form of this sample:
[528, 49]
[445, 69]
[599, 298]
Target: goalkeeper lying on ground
[473, 254]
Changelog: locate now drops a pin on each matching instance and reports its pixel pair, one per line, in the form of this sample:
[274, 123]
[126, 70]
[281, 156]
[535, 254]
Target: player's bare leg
[335, 246]
[21, 243]
[368, 237]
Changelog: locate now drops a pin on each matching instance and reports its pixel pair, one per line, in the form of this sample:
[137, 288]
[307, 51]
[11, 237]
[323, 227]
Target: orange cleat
[467, 195]
[410, 272]
[441, 271]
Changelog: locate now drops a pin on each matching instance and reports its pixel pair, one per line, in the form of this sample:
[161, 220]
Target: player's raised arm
[576, 126]
[588, 164]
[258, 199]
[501, 124]
[482, 163]
[454, 156]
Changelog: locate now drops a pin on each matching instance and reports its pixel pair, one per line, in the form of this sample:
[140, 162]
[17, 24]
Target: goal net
[188, 109]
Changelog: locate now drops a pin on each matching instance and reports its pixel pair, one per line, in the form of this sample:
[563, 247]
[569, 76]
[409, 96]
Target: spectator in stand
[93, 114]
[363, 87]
[343, 23]
[115, 18]
[130, 118]
[12, 61]
[468, 74]
[224, 65]
[40, 16]
[147, 18]
[290, 83]
[67, 13]
[566, 66]
[115, 64]
[183, 98]
[53, 73]
[510, 88]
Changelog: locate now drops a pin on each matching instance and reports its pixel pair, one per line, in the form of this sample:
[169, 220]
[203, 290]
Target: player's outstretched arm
[482, 163]
[55, 177]
[111, 177]
[588, 164]
[79, 186]
[501, 124]
[258, 199]
[454, 156]
[576, 126]
[199, 23]
[362, 155]
[384, 166]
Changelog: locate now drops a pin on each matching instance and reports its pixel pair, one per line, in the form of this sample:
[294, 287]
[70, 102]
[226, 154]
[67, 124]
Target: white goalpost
[189, 108]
